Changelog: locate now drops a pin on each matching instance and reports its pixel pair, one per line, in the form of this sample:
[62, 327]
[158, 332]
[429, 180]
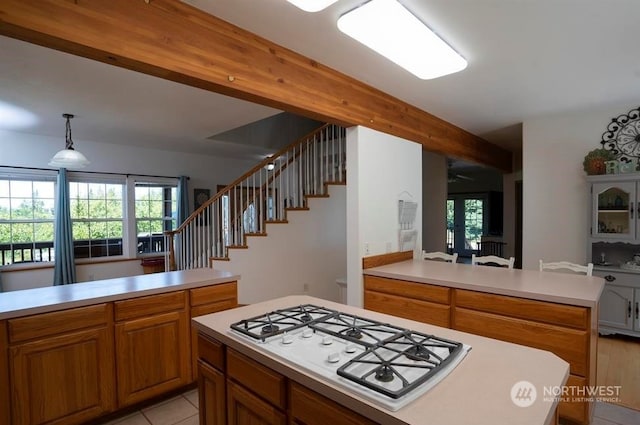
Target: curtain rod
[88, 172]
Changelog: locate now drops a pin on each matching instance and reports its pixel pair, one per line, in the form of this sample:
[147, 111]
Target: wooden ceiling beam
[175, 41]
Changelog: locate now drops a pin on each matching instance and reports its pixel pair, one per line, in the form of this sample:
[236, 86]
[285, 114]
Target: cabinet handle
[637, 311]
[609, 278]
[629, 310]
[631, 208]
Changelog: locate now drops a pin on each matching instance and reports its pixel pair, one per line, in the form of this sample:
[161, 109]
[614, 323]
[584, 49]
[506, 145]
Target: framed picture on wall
[200, 196]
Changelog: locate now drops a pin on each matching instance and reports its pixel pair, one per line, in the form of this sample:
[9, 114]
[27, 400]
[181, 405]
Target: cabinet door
[616, 307]
[153, 356]
[245, 408]
[614, 210]
[636, 310]
[66, 379]
[212, 397]
[310, 408]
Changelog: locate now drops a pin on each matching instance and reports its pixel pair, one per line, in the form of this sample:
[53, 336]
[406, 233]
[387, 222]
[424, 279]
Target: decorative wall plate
[623, 136]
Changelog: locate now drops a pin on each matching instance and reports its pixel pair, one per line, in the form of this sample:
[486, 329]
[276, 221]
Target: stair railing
[264, 194]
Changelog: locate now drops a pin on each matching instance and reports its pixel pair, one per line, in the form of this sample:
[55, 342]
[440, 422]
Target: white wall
[308, 250]
[434, 198]
[382, 169]
[26, 150]
[555, 192]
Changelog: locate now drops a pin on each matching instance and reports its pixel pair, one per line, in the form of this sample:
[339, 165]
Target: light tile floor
[183, 410]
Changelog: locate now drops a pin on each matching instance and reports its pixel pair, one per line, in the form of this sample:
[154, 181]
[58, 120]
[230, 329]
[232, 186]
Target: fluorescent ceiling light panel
[390, 29]
[312, 5]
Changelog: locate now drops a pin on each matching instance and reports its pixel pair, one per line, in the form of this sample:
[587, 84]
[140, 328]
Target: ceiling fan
[452, 176]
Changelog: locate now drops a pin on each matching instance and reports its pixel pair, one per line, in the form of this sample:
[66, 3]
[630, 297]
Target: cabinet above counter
[53, 298]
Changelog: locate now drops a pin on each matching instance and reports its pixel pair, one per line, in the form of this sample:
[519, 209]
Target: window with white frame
[26, 219]
[155, 213]
[97, 217]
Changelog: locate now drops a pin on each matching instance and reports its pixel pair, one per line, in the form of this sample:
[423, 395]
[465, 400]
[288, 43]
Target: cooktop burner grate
[401, 363]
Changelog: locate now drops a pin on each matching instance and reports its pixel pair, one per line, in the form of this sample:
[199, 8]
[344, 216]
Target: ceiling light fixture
[390, 29]
[68, 157]
[312, 5]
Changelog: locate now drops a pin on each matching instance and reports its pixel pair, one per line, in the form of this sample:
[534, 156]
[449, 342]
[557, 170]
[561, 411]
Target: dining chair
[493, 260]
[437, 255]
[565, 265]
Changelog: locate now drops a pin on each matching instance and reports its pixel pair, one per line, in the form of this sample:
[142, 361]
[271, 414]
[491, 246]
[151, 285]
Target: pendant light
[68, 157]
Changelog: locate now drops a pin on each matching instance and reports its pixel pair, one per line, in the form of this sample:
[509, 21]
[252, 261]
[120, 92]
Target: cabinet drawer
[261, 380]
[538, 311]
[575, 410]
[408, 308]
[211, 351]
[419, 291]
[311, 408]
[244, 408]
[214, 293]
[569, 344]
[148, 306]
[203, 309]
[618, 278]
[57, 322]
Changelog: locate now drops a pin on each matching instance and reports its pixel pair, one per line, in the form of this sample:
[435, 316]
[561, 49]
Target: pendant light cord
[69, 141]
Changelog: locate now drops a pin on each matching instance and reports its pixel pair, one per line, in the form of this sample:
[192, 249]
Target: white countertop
[476, 392]
[565, 288]
[53, 298]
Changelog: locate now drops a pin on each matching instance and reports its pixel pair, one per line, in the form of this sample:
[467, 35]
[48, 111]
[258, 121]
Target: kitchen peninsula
[70, 354]
[242, 379]
[552, 311]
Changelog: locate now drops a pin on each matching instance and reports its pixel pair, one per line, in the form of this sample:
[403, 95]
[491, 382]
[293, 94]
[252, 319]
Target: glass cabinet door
[614, 210]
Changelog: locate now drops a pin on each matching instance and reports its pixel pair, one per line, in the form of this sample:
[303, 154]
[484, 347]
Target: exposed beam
[176, 41]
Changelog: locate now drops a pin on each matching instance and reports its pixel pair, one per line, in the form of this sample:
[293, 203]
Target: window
[26, 220]
[156, 213]
[97, 218]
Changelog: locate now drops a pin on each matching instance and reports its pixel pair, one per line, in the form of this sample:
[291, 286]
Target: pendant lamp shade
[68, 157]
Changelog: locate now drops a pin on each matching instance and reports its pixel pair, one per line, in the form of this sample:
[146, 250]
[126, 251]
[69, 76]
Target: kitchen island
[70, 354]
[242, 380]
[552, 311]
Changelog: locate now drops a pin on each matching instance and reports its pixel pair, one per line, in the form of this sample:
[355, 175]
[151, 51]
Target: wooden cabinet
[62, 366]
[310, 408]
[614, 206]
[212, 397]
[152, 346]
[5, 403]
[562, 329]
[420, 302]
[243, 408]
[620, 303]
[206, 300]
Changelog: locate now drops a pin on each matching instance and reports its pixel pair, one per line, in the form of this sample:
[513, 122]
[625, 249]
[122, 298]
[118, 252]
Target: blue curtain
[183, 199]
[64, 271]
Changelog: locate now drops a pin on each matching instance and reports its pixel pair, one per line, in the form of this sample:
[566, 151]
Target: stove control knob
[327, 340]
[307, 333]
[287, 339]
[333, 358]
[350, 348]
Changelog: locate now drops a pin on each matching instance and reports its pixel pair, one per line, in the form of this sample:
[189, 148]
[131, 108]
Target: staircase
[281, 183]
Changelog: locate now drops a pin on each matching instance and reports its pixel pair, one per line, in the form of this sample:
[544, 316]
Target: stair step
[326, 195]
[276, 221]
[256, 234]
[337, 182]
[237, 247]
[296, 209]
[219, 259]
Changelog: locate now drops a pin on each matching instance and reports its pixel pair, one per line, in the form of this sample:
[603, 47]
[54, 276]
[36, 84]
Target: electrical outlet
[367, 250]
[305, 288]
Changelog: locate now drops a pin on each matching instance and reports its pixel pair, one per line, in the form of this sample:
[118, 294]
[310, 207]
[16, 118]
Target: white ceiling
[527, 58]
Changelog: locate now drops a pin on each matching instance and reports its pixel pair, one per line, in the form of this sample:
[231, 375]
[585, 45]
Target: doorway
[466, 223]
